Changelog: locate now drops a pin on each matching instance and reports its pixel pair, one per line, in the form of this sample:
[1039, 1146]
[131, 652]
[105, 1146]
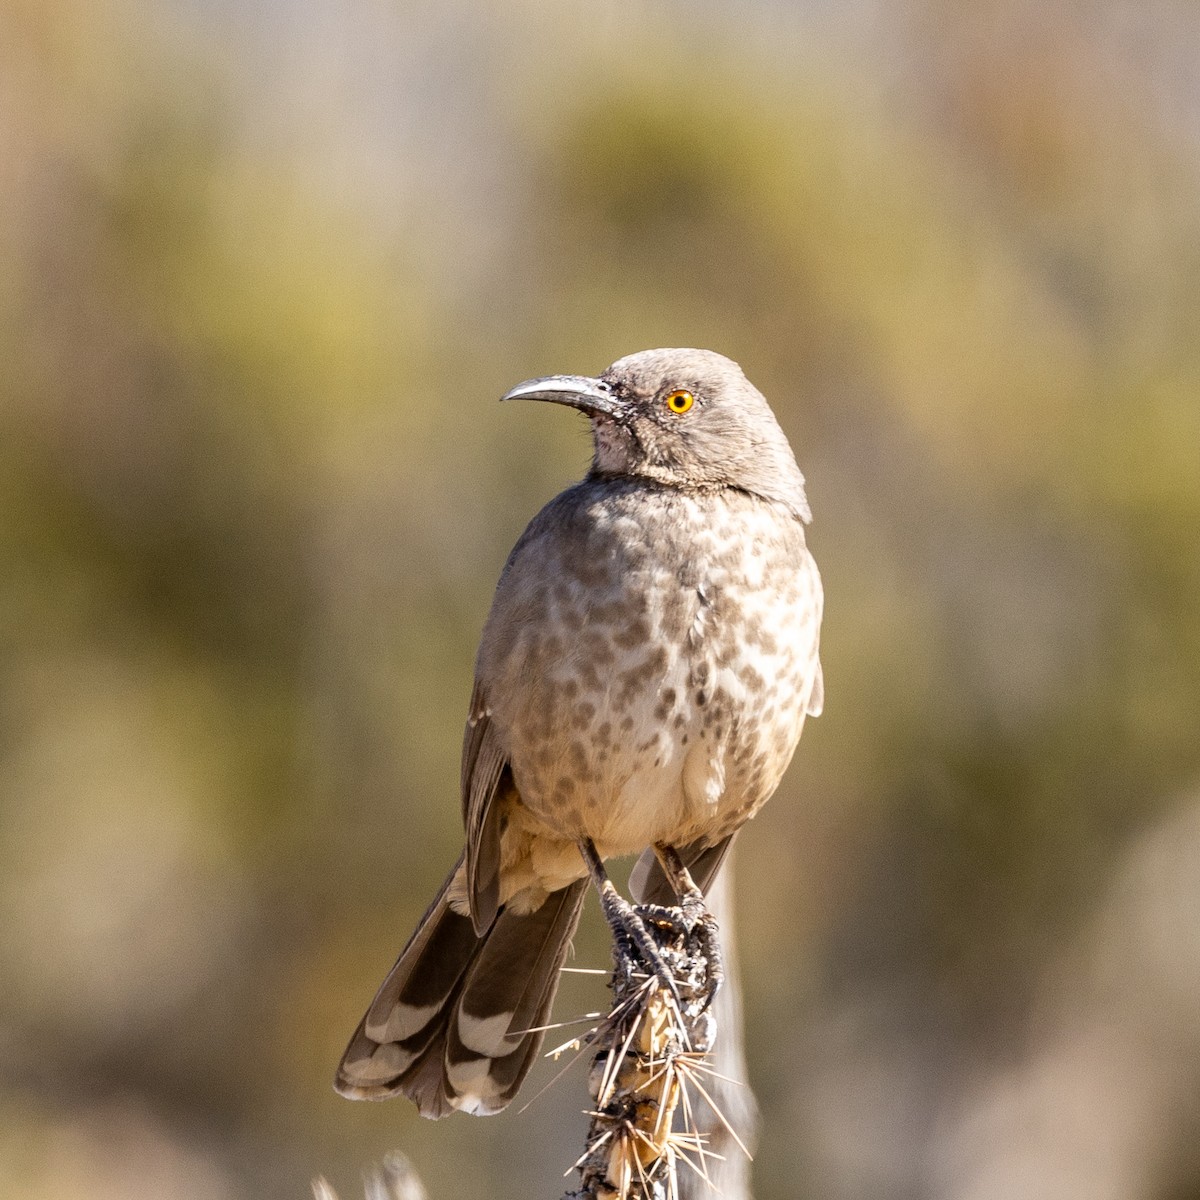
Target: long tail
[449, 1027]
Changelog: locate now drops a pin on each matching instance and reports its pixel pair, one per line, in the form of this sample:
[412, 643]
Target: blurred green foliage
[254, 495]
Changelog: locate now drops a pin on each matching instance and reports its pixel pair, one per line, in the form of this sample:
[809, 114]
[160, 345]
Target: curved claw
[634, 941]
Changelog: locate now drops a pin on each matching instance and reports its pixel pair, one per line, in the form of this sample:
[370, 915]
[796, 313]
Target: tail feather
[449, 1027]
[505, 1001]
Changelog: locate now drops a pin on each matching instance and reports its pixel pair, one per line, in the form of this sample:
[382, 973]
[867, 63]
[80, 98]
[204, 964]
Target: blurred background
[264, 269]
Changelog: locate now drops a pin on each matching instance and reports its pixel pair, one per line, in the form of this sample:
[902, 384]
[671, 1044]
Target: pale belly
[653, 704]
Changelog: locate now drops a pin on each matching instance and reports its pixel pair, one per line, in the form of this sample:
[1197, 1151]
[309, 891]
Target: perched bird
[643, 676]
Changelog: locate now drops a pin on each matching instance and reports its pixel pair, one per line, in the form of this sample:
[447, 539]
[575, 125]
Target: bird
[644, 673]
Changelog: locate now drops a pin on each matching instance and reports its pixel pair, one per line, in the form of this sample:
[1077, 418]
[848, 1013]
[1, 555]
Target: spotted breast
[651, 656]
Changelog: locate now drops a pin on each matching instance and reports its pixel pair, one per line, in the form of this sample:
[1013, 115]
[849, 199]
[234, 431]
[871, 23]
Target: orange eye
[680, 402]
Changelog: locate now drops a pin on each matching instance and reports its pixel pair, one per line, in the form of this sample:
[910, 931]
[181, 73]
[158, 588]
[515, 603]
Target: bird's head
[685, 418]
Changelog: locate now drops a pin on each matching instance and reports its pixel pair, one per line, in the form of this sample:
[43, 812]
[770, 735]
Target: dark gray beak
[592, 396]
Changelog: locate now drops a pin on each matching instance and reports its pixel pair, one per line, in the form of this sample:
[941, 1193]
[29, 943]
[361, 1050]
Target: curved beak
[592, 396]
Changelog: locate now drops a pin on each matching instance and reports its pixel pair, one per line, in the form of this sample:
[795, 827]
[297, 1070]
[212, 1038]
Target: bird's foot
[693, 924]
[705, 932]
[635, 944]
[696, 922]
[655, 936]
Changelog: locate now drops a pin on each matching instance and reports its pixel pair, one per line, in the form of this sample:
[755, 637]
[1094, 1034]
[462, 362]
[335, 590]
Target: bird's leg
[695, 912]
[629, 931]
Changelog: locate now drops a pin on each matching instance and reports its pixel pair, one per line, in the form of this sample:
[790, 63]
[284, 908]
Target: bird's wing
[649, 884]
[816, 698]
[484, 766]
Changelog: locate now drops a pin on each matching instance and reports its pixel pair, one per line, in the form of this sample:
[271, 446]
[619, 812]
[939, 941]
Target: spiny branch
[649, 1055]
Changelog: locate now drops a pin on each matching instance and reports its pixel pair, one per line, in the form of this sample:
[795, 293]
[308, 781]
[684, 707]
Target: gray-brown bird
[644, 673]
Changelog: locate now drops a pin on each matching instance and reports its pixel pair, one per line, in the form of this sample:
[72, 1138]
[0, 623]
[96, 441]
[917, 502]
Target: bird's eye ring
[680, 401]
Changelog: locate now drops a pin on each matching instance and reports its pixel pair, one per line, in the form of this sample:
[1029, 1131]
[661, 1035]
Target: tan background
[264, 268]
